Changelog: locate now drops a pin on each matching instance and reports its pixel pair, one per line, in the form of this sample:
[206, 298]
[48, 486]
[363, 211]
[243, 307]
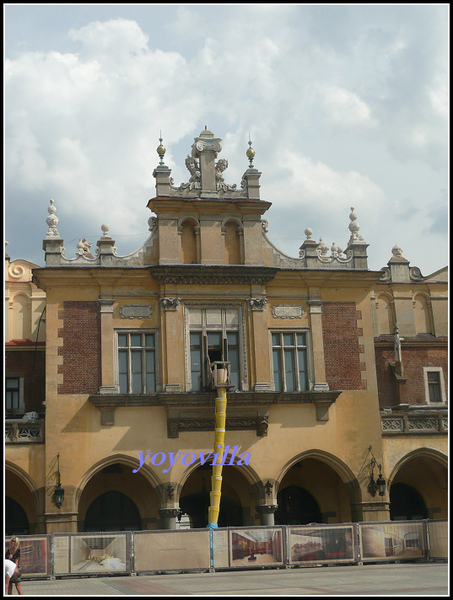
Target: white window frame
[309, 356]
[224, 328]
[138, 331]
[439, 370]
[21, 408]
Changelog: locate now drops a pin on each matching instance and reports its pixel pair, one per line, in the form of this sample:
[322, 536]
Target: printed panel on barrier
[171, 550]
[322, 544]
[256, 547]
[34, 554]
[392, 541]
[91, 553]
[438, 539]
[221, 545]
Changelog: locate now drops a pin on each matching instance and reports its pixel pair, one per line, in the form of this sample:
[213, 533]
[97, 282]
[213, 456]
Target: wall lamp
[379, 484]
[58, 493]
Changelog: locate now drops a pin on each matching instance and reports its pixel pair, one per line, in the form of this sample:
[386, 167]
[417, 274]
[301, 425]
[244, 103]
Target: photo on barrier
[34, 555]
[256, 547]
[393, 541]
[97, 553]
[321, 544]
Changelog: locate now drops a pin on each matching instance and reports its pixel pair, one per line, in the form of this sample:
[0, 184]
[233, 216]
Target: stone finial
[354, 227]
[250, 154]
[161, 150]
[308, 233]
[336, 250]
[52, 220]
[323, 248]
[105, 230]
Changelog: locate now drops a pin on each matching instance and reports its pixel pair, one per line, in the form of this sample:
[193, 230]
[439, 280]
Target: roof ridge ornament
[52, 220]
[161, 150]
[250, 154]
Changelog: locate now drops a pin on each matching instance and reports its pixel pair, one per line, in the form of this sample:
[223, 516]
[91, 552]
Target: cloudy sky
[346, 106]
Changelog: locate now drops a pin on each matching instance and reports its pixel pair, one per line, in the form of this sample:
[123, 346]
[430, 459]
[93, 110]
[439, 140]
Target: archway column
[168, 516]
[266, 513]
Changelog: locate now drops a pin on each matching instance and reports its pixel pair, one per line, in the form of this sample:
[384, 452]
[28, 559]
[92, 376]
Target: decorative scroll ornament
[257, 303]
[202, 145]
[170, 303]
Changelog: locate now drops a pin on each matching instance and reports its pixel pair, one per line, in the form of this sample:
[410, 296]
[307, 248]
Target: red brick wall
[414, 359]
[387, 384]
[81, 348]
[341, 346]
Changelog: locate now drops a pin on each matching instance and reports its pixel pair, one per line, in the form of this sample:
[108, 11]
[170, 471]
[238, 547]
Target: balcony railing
[414, 420]
[20, 431]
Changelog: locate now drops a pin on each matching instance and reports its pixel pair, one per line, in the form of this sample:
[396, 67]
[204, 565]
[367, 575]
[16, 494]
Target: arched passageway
[419, 487]
[21, 504]
[235, 504]
[406, 503]
[314, 489]
[16, 521]
[116, 499]
[296, 506]
[112, 511]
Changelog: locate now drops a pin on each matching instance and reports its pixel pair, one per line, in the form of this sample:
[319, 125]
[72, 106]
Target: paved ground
[409, 579]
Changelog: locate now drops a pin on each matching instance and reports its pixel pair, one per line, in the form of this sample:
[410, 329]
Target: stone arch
[144, 487]
[248, 472]
[232, 230]
[430, 453]
[422, 313]
[188, 230]
[238, 499]
[385, 313]
[327, 479]
[426, 471]
[342, 470]
[20, 488]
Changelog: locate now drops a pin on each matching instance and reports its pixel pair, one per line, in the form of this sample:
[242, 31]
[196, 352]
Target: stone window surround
[439, 370]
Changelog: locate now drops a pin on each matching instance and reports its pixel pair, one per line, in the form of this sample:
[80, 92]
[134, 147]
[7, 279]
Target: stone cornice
[199, 400]
[212, 274]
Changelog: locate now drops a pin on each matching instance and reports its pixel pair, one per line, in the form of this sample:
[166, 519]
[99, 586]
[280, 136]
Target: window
[12, 394]
[434, 385]
[214, 335]
[289, 360]
[137, 362]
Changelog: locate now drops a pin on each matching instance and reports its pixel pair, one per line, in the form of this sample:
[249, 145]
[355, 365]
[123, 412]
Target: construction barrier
[279, 546]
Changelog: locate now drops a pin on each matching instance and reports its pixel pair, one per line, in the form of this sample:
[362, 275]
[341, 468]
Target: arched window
[406, 504]
[16, 522]
[384, 314]
[21, 323]
[112, 511]
[189, 242]
[422, 314]
[233, 254]
[296, 506]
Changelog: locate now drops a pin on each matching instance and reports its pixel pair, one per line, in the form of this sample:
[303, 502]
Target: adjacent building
[336, 406]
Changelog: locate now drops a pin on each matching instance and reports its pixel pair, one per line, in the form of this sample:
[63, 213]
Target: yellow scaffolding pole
[219, 446]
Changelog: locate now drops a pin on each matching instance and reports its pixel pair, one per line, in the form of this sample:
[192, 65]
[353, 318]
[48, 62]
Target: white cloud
[345, 109]
[337, 118]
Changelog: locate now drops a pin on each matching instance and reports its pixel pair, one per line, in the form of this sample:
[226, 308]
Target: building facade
[337, 374]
